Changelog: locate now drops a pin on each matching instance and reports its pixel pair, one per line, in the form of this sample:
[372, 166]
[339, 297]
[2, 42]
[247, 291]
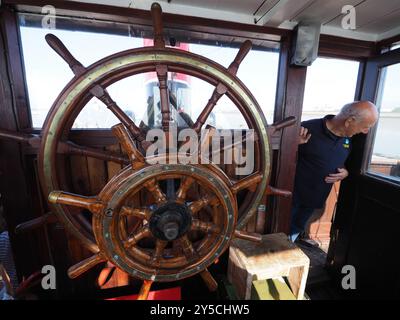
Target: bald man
[324, 145]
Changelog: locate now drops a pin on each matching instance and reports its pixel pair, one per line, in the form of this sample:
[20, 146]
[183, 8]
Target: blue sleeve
[306, 124]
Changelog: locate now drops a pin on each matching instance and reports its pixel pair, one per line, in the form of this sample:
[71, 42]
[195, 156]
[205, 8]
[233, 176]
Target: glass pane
[395, 46]
[259, 73]
[47, 74]
[330, 84]
[385, 157]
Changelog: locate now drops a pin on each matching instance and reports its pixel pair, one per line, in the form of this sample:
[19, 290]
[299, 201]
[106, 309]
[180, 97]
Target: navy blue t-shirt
[322, 155]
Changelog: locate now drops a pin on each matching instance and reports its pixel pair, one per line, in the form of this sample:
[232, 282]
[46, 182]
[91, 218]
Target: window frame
[370, 91]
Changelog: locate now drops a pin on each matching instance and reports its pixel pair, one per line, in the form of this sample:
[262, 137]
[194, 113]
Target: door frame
[359, 180]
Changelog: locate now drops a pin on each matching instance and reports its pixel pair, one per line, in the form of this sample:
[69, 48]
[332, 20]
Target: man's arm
[333, 177]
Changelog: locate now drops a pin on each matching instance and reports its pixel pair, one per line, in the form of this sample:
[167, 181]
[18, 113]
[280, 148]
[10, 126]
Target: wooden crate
[274, 257]
[271, 289]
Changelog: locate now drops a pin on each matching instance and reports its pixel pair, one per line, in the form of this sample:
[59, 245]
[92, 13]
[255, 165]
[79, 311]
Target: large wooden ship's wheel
[171, 235]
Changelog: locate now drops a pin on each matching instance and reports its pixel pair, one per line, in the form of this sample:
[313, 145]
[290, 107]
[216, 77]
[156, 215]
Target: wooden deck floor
[319, 284]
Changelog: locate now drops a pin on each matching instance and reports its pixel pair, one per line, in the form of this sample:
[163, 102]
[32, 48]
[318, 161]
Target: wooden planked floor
[319, 284]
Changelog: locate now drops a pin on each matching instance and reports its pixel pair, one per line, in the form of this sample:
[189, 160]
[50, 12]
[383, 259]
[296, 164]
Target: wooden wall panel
[112, 167]
[261, 218]
[251, 225]
[80, 175]
[97, 175]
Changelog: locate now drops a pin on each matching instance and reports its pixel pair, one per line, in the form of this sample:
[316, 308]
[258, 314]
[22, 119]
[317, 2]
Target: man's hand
[333, 177]
[304, 135]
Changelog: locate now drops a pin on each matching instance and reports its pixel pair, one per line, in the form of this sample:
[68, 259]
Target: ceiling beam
[267, 15]
[143, 17]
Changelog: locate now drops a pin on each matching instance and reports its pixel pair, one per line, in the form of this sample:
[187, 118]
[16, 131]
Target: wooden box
[274, 257]
[271, 289]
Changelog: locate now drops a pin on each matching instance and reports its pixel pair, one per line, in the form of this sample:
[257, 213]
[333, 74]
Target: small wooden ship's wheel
[168, 239]
[174, 235]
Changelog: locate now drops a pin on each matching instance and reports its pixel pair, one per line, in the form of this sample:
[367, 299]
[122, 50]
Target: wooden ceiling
[375, 19]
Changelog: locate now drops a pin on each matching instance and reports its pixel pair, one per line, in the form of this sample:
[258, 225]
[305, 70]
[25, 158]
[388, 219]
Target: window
[47, 74]
[395, 46]
[385, 157]
[330, 84]
[258, 71]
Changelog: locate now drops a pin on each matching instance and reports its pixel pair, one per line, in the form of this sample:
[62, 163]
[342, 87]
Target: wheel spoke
[142, 213]
[85, 265]
[91, 203]
[243, 51]
[184, 187]
[207, 227]
[289, 121]
[69, 147]
[196, 206]
[277, 192]
[59, 47]
[32, 139]
[221, 89]
[206, 138]
[145, 290]
[250, 182]
[159, 250]
[218, 92]
[187, 248]
[102, 94]
[36, 223]
[251, 236]
[162, 75]
[251, 136]
[156, 14]
[209, 280]
[122, 227]
[144, 232]
[170, 189]
[98, 91]
[156, 191]
[136, 157]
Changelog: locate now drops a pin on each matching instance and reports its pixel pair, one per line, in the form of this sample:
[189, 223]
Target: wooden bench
[274, 257]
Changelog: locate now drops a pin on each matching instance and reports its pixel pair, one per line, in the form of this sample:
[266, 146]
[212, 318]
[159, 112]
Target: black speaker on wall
[305, 43]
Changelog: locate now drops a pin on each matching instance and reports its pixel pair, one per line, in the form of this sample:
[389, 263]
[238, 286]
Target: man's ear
[348, 121]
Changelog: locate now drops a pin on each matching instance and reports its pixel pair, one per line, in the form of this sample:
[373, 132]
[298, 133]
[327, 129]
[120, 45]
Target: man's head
[357, 117]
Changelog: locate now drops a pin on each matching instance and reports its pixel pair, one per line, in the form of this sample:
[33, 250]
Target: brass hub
[170, 221]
